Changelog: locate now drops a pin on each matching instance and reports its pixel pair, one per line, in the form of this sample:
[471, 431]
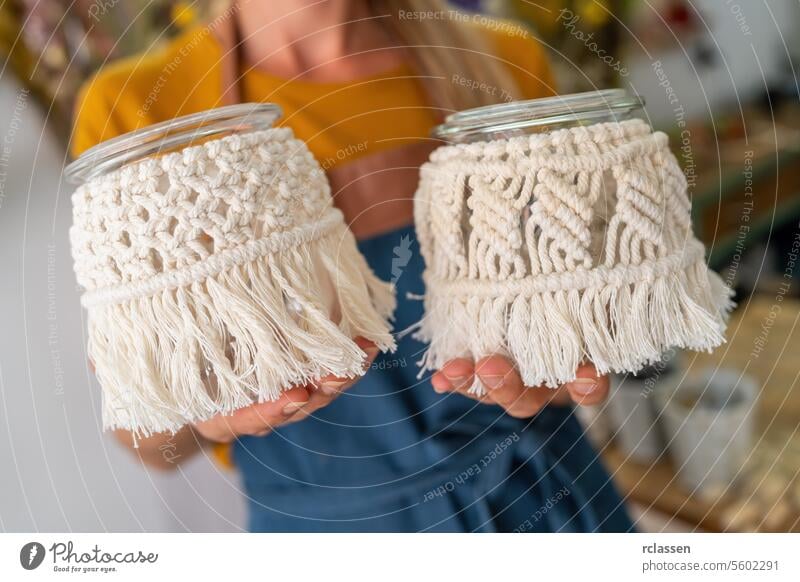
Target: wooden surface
[766, 496]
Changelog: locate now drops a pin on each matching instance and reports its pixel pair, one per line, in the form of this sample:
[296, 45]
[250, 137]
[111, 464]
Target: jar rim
[169, 135]
[514, 115]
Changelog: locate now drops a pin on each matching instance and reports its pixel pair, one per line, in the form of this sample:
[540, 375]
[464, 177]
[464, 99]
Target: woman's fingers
[256, 419]
[328, 388]
[455, 375]
[320, 398]
[502, 384]
[505, 387]
[333, 386]
[293, 405]
[588, 388]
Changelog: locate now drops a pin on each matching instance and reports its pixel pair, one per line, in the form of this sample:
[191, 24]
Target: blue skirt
[391, 455]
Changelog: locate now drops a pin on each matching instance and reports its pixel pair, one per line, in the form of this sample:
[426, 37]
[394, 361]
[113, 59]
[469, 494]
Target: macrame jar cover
[218, 276]
[560, 248]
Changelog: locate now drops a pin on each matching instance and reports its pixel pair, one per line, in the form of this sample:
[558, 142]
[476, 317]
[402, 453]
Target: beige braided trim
[579, 279]
[216, 263]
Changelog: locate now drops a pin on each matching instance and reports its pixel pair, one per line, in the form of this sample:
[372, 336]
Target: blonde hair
[449, 53]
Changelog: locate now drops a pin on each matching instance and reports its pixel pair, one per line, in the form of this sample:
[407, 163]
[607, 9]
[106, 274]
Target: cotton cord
[218, 276]
[561, 248]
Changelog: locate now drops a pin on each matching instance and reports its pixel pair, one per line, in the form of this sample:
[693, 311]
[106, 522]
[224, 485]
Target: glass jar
[217, 271]
[540, 116]
[556, 231]
[175, 135]
[545, 115]
[170, 136]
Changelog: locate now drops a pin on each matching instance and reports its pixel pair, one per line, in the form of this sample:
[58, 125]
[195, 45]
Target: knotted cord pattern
[542, 221]
[559, 234]
[218, 276]
[169, 213]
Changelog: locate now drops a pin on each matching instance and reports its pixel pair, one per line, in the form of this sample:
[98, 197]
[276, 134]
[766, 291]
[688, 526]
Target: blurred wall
[58, 470]
[741, 47]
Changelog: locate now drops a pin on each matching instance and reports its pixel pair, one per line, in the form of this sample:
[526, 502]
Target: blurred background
[695, 443]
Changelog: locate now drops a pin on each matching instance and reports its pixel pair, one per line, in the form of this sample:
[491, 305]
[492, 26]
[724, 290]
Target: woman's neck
[321, 40]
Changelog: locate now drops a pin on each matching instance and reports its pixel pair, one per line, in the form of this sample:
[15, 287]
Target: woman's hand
[504, 386]
[294, 404]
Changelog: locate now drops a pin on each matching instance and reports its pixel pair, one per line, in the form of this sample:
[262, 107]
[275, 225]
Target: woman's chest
[370, 137]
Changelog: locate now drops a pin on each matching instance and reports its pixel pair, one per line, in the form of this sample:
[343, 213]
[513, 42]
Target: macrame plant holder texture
[557, 232]
[217, 272]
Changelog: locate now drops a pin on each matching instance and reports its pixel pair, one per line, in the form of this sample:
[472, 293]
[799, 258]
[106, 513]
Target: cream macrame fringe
[185, 354]
[560, 249]
[240, 325]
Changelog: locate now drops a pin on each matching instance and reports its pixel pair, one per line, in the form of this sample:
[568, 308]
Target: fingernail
[293, 407]
[584, 386]
[331, 387]
[492, 382]
[457, 381]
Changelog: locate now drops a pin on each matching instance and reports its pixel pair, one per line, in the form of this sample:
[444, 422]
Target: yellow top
[385, 111]
[185, 77]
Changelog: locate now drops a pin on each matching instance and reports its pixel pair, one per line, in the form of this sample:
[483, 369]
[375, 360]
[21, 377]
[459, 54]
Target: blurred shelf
[730, 180]
[724, 216]
[726, 247]
[766, 494]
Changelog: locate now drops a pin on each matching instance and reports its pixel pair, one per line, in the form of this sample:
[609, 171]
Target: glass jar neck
[538, 116]
[170, 136]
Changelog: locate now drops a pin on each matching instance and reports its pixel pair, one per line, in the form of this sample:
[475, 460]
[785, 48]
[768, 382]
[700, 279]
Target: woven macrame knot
[168, 213]
[559, 248]
[218, 276]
